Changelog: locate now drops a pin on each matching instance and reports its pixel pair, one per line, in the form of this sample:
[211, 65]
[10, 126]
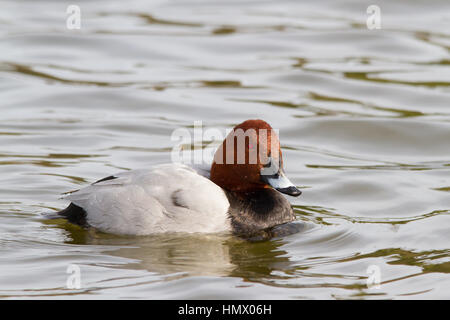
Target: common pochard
[241, 195]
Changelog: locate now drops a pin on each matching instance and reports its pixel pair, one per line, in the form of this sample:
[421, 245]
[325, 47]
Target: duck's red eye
[268, 164]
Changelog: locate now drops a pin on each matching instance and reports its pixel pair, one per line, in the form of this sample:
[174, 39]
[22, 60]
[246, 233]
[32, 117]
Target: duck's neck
[253, 211]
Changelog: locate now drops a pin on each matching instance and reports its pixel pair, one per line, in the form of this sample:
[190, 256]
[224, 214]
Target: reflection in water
[267, 262]
[192, 254]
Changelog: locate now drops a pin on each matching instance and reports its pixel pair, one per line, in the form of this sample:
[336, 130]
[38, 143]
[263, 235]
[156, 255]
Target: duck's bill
[282, 184]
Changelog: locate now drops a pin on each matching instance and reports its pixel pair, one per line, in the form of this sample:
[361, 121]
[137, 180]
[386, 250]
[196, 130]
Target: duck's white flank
[164, 198]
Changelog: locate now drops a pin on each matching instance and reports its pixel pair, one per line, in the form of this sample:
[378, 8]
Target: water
[364, 122]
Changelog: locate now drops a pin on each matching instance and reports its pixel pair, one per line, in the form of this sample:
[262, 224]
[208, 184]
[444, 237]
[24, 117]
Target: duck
[241, 193]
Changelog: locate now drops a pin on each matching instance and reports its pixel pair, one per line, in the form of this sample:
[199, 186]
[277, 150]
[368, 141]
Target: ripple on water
[363, 119]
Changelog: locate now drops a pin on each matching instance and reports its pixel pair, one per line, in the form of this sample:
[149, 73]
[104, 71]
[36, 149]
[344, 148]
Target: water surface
[364, 122]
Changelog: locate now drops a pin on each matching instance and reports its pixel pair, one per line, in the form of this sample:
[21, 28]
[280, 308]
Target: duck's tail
[72, 213]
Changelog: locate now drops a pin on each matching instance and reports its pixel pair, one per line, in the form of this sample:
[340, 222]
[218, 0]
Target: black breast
[251, 212]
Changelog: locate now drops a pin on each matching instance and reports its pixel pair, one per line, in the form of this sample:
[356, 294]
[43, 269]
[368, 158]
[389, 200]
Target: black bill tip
[291, 190]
